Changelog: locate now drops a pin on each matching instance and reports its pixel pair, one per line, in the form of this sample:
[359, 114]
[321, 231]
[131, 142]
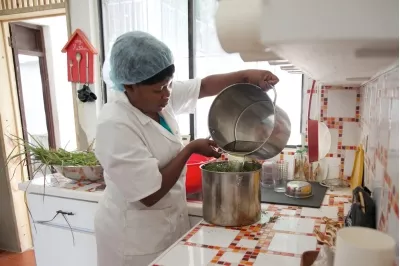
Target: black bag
[362, 210]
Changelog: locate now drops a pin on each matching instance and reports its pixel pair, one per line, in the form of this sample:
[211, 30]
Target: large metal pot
[231, 198]
[243, 120]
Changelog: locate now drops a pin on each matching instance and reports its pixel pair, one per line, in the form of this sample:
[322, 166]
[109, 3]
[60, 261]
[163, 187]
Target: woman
[143, 210]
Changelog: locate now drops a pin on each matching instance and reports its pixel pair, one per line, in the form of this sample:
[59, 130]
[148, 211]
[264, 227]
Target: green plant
[45, 158]
[232, 166]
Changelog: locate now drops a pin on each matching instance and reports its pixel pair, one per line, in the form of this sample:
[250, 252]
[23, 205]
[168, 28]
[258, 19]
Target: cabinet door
[55, 246]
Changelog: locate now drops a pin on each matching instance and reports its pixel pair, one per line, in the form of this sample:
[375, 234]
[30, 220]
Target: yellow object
[358, 168]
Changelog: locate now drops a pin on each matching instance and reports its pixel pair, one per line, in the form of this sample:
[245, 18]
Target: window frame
[191, 64]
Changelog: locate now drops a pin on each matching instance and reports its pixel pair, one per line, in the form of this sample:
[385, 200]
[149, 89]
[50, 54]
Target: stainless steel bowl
[81, 173]
[244, 121]
[298, 189]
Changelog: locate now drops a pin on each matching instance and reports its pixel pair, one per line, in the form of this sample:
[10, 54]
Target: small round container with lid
[269, 170]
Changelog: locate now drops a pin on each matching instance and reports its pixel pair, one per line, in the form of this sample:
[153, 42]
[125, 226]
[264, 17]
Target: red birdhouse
[80, 55]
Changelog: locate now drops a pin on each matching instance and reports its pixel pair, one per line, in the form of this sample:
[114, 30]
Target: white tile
[288, 212]
[383, 135]
[384, 110]
[367, 178]
[393, 229]
[294, 224]
[323, 163]
[326, 200]
[334, 140]
[281, 207]
[232, 257]
[265, 206]
[182, 255]
[351, 134]
[393, 150]
[340, 192]
[342, 103]
[333, 166]
[296, 244]
[370, 179]
[246, 243]
[214, 236]
[328, 211]
[270, 259]
[382, 204]
[340, 200]
[394, 111]
[265, 216]
[379, 172]
[393, 167]
[349, 156]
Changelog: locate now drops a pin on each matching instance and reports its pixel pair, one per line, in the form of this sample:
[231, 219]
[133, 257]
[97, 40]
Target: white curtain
[166, 20]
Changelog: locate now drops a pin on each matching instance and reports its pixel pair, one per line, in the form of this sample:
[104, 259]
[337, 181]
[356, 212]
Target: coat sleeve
[184, 95]
[126, 160]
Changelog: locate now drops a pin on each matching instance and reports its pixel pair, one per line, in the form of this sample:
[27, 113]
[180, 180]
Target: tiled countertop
[266, 243]
[57, 186]
[277, 243]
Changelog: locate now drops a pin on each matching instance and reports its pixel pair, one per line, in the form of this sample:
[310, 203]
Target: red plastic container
[193, 174]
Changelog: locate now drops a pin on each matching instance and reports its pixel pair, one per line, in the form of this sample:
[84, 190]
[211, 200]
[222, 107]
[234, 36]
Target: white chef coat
[132, 148]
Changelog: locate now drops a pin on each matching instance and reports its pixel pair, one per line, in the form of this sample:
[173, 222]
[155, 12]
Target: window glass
[167, 20]
[211, 59]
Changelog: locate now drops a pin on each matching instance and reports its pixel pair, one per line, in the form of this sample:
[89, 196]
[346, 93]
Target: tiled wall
[340, 112]
[339, 109]
[368, 115]
[380, 137]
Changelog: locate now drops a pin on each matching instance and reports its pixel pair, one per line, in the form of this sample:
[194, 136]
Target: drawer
[54, 246]
[82, 212]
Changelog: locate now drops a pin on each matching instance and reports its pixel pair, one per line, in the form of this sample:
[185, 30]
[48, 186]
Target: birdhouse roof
[82, 35]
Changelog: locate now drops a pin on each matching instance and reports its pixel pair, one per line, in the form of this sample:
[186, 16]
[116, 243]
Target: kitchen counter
[266, 243]
[279, 242]
[60, 187]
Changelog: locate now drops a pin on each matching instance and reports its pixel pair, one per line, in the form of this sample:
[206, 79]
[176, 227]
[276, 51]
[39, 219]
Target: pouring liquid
[238, 149]
[238, 162]
[241, 147]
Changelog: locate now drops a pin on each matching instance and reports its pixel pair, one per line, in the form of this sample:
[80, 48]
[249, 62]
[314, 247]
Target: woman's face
[149, 98]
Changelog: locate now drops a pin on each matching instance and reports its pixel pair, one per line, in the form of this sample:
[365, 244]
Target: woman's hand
[204, 147]
[261, 78]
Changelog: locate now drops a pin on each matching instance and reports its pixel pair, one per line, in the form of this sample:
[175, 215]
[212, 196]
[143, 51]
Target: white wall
[85, 16]
[56, 35]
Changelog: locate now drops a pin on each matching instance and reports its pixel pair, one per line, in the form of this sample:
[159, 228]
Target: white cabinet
[45, 208]
[55, 246]
[69, 239]
[338, 42]
[66, 238]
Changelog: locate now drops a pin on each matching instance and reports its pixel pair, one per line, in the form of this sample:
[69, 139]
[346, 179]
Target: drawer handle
[63, 213]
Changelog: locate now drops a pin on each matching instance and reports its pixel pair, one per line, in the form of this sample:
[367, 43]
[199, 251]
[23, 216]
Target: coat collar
[143, 119]
[166, 113]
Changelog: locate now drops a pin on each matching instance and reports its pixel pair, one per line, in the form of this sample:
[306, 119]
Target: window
[211, 59]
[167, 20]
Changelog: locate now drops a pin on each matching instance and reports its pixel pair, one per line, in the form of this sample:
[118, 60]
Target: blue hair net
[135, 57]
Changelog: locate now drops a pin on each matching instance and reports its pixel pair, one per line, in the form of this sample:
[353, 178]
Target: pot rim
[202, 168]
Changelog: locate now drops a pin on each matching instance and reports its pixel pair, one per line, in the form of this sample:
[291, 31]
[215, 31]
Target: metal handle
[276, 95]
[269, 86]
